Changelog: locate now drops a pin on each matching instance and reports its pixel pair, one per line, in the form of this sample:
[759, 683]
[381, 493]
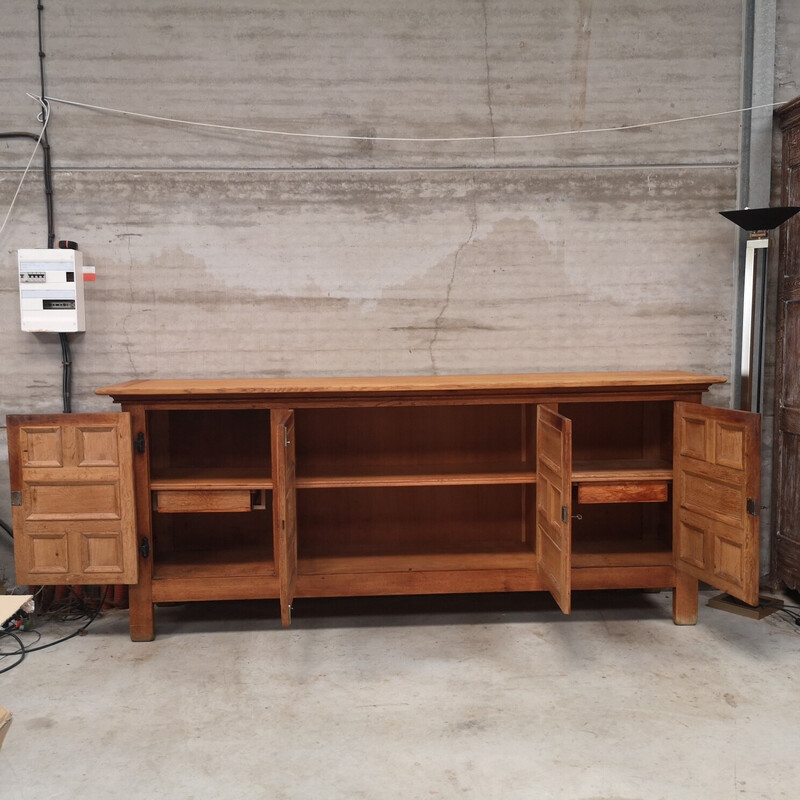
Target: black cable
[20, 632]
[19, 135]
[46, 172]
[74, 633]
[21, 652]
[6, 528]
[66, 358]
[66, 379]
[48, 179]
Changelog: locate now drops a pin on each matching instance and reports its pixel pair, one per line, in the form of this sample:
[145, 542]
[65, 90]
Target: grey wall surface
[224, 253]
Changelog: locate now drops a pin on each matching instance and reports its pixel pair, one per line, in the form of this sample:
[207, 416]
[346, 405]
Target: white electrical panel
[51, 291]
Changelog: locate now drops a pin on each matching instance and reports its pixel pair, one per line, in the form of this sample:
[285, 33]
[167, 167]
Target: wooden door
[73, 500]
[554, 505]
[786, 472]
[285, 507]
[716, 497]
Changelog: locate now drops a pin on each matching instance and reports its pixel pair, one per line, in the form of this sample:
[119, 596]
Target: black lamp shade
[761, 219]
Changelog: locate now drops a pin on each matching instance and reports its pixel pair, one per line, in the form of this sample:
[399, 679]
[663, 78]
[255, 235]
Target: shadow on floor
[416, 610]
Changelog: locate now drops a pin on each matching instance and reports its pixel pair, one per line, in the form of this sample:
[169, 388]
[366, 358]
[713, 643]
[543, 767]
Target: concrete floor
[481, 697]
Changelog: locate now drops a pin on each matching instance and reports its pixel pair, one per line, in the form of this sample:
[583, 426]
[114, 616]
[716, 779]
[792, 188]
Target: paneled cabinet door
[72, 497]
[285, 507]
[554, 505]
[716, 497]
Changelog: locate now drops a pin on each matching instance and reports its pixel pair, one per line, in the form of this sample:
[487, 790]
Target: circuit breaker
[51, 291]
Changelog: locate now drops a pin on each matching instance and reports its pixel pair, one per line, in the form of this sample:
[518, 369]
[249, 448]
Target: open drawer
[172, 501]
[624, 492]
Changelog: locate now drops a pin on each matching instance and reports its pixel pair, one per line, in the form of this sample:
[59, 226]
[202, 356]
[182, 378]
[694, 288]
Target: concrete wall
[221, 253]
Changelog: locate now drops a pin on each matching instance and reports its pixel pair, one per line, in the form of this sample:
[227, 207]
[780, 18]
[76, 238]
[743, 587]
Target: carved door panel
[554, 505]
[73, 500]
[285, 507]
[716, 496]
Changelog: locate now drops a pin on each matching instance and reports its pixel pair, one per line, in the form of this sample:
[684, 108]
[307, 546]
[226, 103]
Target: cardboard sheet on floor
[5, 723]
[11, 603]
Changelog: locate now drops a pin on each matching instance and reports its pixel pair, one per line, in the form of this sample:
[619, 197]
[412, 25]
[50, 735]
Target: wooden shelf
[240, 562]
[211, 478]
[483, 557]
[336, 476]
[621, 470]
[620, 551]
[474, 560]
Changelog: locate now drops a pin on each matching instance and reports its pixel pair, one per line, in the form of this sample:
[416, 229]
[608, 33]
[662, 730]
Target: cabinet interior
[615, 436]
[205, 461]
[415, 527]
[624, 447]
[239, 543]
[621, 533]
[403, 487]
[196, 447]
[414, 440]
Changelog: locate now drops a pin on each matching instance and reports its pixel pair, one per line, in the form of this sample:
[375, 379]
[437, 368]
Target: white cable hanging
[44, 118]
[432, 139]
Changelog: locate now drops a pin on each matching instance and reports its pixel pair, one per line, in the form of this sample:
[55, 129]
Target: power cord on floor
[15, 632]
[20, 651]
[791, 611]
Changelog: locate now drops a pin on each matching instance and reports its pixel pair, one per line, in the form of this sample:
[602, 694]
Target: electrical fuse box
[51, 291]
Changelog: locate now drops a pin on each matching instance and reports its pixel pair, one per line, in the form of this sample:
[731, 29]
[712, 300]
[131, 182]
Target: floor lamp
[757, 222]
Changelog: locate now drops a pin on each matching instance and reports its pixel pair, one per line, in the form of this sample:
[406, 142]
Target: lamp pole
[752, 324]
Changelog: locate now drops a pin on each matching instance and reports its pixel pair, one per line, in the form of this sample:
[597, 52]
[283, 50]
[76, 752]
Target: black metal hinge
[752, 506]
[138, 443]
[144, 547]
[16, 498]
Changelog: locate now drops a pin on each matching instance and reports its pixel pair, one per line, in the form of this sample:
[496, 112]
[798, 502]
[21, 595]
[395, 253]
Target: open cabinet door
[716, 489]
[285, 507]
[554, 504]
[72, 499]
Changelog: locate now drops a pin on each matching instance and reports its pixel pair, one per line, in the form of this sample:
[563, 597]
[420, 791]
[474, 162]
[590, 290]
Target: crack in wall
[580, 64]
[488, 75]
[126, 341]
[437, 323]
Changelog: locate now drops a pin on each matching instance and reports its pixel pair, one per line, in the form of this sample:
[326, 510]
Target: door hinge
[144, 547]
[752, 506]
[286, 440]
[138, 443]
[564, 514]
[16, 498]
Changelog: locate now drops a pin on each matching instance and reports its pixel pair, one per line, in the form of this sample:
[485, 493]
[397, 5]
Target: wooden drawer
[624, 492]
[178, 502]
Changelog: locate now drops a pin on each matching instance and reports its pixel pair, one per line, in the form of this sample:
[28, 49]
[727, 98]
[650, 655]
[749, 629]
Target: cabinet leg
[141, 614]
[286, 614]
[685, 599]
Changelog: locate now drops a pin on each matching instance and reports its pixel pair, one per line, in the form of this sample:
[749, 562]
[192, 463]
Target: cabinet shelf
[637, 470]
[489, 555]
[242, 562]
[211, 478]
[620, 551]
[334, 476]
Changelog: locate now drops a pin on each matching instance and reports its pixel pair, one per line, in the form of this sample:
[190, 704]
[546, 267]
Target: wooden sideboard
[281, 488]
